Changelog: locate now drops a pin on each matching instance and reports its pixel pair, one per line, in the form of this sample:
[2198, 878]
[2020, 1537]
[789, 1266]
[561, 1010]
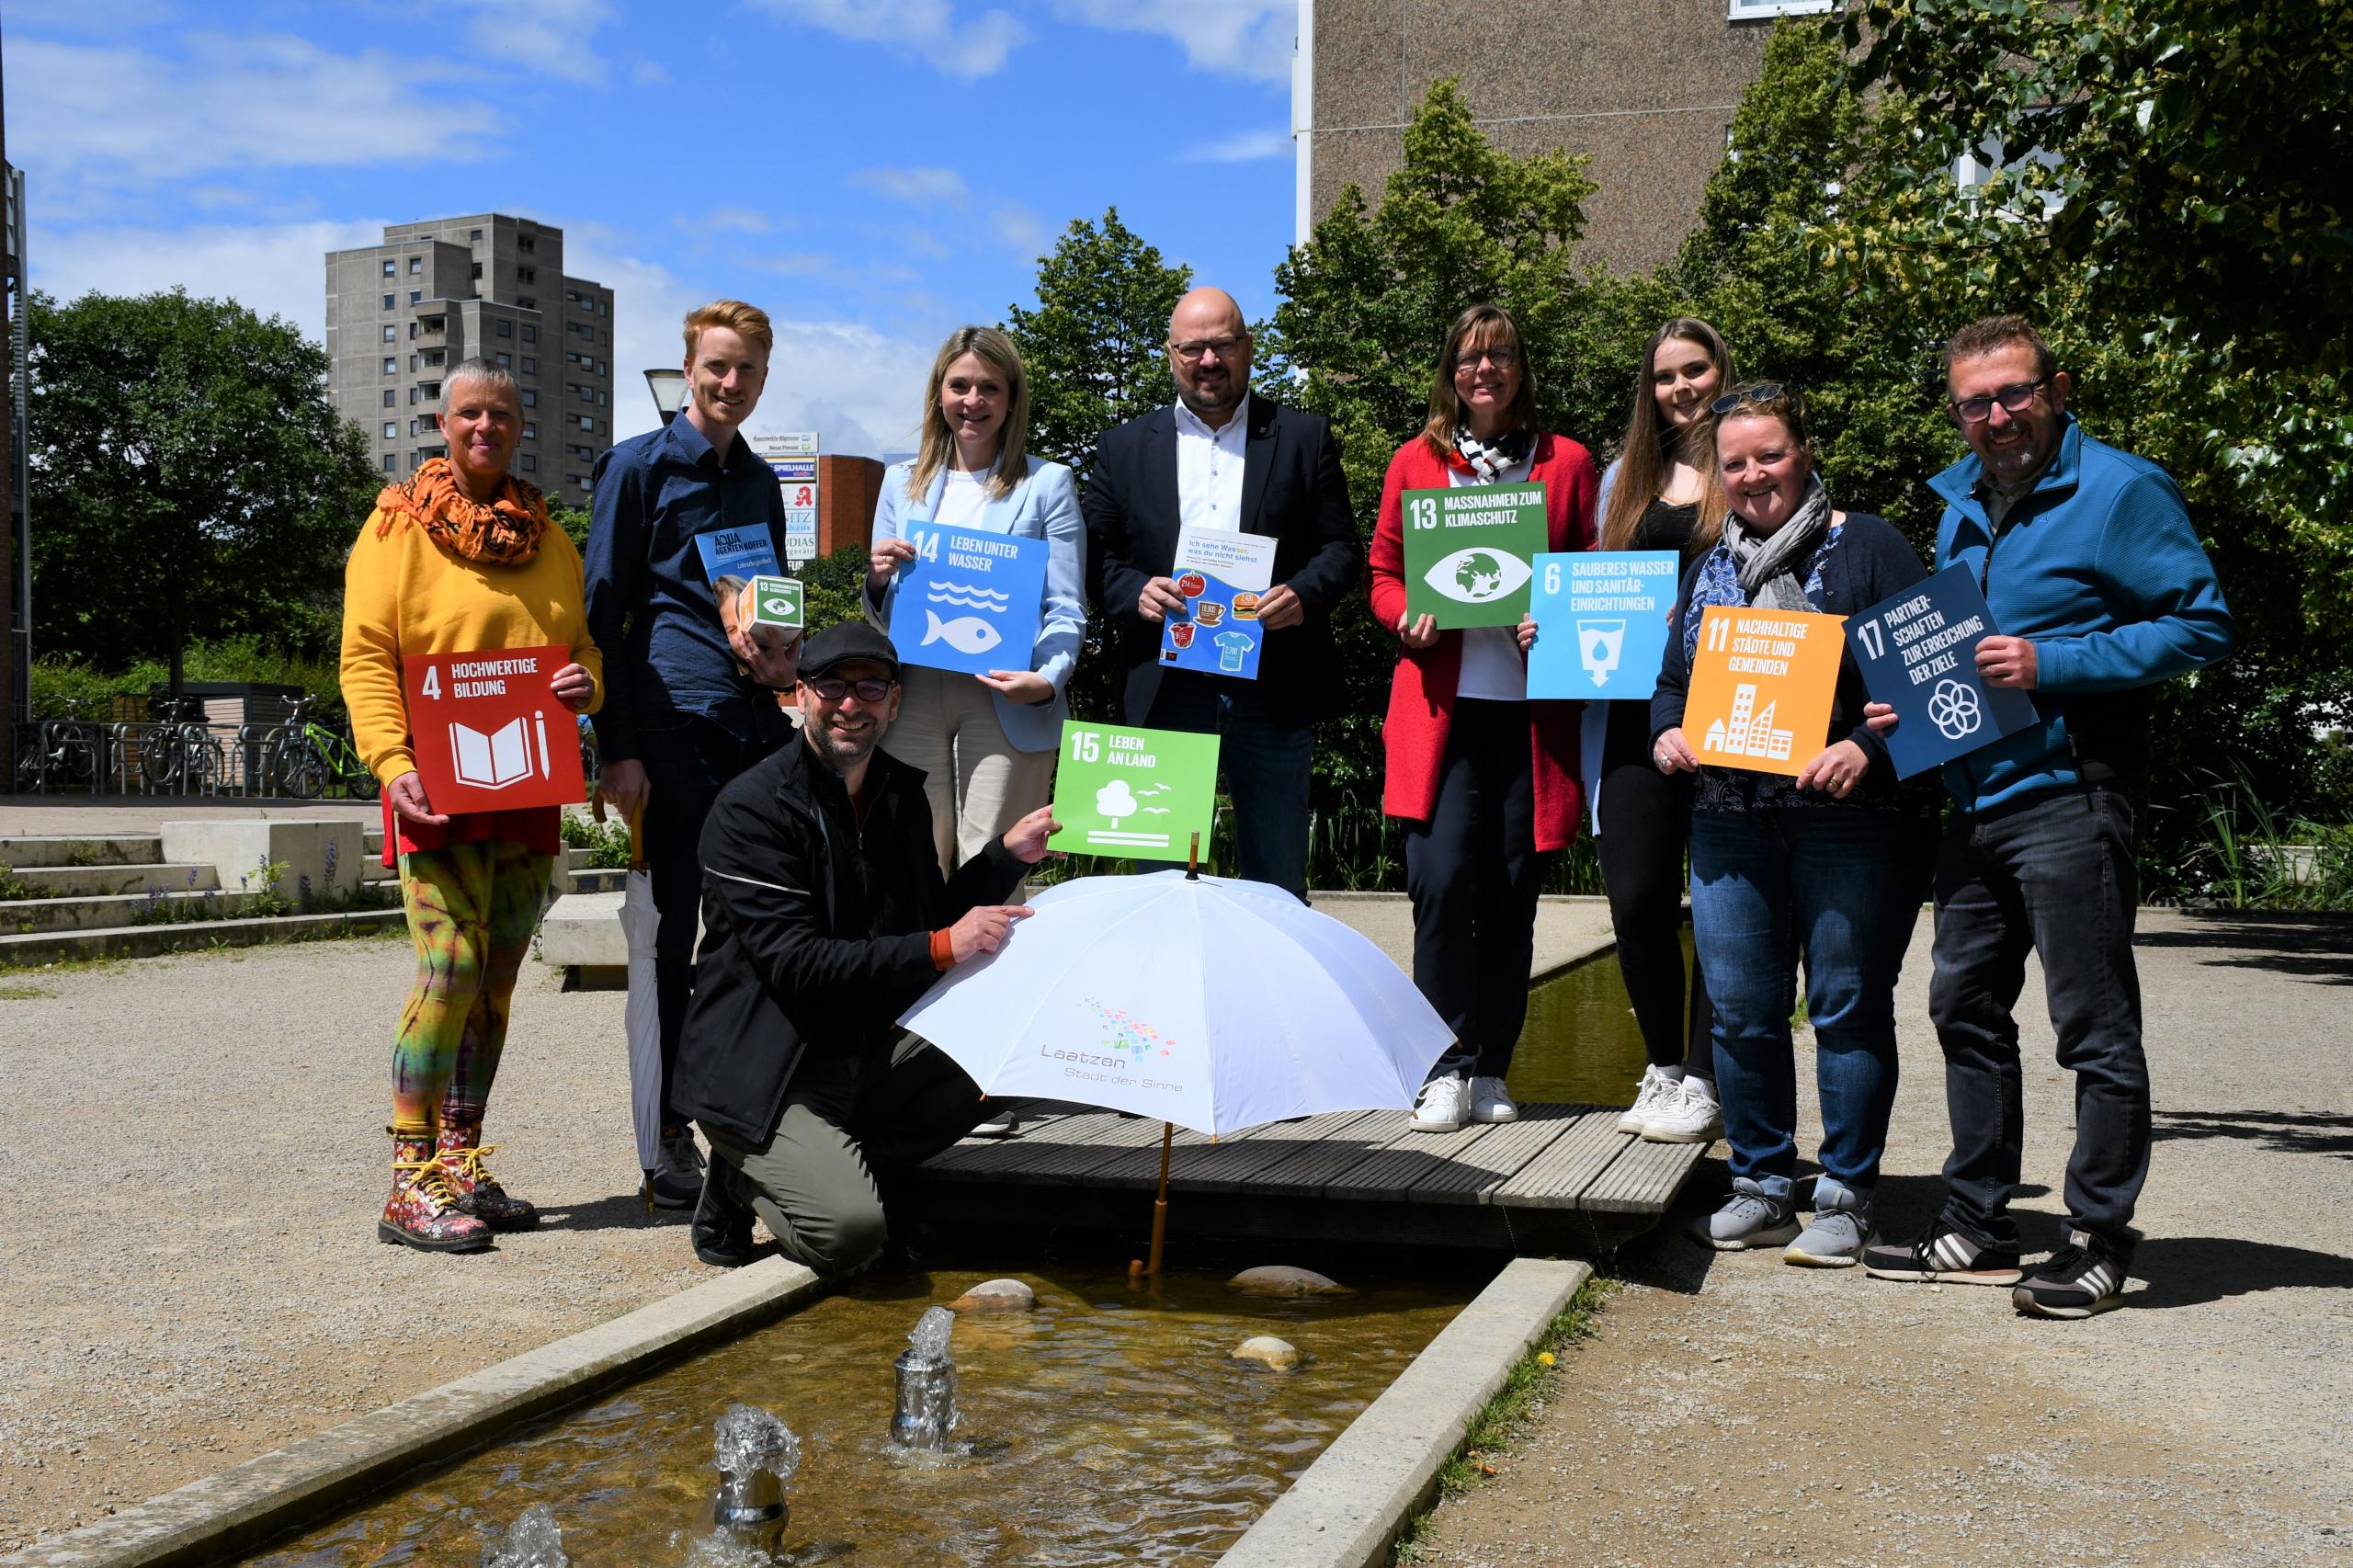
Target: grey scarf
[1767, 562]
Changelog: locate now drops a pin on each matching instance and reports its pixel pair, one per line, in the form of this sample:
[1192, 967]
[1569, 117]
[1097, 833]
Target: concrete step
[18, 951]
[79, 849]
[105, 911]
[72, 882]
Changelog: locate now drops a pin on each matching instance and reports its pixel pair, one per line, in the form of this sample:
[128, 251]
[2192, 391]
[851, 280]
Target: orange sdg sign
[1762, 682]
[488, 734]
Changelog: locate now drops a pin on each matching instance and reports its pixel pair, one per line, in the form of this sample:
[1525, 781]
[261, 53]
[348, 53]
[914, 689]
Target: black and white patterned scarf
[1491, 459]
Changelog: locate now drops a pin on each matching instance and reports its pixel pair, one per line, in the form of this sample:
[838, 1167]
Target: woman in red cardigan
[1484, 779]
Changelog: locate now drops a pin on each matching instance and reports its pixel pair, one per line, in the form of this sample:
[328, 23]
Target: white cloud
[927, 28]
[1022, 231]
[1249, 147]
[234, 104]
[924, 188]
[728, 220]
[274, 270]
[1234, 38]
[550, 36]
[650, 73]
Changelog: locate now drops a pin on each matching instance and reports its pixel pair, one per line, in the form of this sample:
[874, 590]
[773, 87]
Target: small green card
[1470, 552]
[1140, 794]
[776, 601]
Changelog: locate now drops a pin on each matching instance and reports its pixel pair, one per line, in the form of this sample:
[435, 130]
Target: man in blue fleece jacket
[2102, 592]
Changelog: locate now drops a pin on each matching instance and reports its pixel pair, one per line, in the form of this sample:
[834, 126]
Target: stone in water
[1278, 1281]
[1281, 1355]
[995, 1296]
[532, 1542]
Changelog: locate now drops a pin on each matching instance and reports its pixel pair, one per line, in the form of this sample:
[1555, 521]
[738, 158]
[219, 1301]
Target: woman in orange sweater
[460, 559]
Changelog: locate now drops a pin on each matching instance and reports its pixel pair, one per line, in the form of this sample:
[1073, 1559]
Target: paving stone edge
[225, 1516]
[1348, 1508]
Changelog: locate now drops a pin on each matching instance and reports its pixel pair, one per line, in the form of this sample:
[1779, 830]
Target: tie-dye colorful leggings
[472, 909]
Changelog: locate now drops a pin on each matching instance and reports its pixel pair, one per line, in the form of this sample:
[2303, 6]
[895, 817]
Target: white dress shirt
[1208, 467]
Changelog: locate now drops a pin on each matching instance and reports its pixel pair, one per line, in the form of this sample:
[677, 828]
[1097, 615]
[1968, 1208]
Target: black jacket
[1292, 491]
[815, 937]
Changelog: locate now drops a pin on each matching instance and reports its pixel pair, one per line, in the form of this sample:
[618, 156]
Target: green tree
[1095, 346]
[189, 479]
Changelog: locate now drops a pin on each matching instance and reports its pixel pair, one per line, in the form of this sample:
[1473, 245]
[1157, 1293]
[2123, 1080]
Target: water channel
[1109, 1425]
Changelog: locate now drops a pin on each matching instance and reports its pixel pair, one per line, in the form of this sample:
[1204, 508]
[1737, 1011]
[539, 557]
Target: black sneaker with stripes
[2077, 1280]
[1941, 1253]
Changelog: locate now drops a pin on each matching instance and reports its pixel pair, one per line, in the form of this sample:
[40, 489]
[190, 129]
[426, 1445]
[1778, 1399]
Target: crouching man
[826, 914]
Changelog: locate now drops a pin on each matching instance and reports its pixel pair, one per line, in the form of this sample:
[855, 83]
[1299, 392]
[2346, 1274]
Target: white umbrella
[642, 1015]
[1209, 1002]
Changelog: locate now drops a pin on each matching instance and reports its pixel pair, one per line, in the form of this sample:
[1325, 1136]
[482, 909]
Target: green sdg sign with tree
[1140, 794]
[1468, 553]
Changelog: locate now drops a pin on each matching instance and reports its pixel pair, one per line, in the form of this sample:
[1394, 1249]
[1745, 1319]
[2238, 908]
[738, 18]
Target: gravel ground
[1736, 1410]
[192, 1272]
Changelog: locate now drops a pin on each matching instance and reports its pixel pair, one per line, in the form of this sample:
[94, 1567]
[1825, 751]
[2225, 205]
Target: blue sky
[872, 171]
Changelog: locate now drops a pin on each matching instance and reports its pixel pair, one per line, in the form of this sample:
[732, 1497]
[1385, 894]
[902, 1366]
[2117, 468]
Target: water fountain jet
[757, 1454]
[927, 1413]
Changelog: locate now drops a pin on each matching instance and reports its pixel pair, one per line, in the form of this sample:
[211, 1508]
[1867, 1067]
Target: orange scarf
[505, 532]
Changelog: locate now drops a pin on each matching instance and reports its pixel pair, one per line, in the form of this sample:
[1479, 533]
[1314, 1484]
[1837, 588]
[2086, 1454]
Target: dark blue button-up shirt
[650, 604]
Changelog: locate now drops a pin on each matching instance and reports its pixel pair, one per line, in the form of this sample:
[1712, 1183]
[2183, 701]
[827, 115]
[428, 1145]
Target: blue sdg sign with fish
[969, 600]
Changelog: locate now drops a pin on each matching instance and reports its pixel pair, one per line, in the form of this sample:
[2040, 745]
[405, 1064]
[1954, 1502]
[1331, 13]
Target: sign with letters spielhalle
[488, 734]
[969, 600]
[1601, 623]
[1762, 683]
[1468, 550]
[1138, 794]
[1917, 652]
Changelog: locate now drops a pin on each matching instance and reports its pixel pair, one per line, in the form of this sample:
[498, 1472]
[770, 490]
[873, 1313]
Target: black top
[1666, 525]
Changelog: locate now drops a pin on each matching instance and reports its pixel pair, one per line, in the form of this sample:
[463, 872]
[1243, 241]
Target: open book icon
[494, 760]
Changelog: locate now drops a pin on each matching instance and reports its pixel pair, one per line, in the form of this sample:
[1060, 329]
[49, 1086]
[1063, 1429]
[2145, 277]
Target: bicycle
[179, 752]
[62, 753]
[307, 757]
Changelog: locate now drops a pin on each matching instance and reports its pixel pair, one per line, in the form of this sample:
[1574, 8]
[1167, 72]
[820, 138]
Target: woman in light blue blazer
[986, 742]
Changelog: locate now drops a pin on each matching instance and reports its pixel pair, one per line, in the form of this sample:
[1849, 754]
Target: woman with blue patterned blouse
[1831, 865]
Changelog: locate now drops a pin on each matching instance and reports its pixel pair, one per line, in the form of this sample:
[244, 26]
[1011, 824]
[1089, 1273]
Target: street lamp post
[669, 390]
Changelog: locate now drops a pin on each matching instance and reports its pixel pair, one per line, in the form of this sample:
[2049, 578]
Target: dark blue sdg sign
[1917, 652]
[969, 600]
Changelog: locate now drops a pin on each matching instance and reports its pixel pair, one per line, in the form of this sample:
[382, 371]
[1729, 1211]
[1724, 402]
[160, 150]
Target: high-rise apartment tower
[401, 314]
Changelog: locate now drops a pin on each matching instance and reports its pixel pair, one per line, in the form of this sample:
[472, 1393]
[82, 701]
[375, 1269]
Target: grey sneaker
[1751, 1219]
[999, 1123]
[1841, 1229]
[676, 1181]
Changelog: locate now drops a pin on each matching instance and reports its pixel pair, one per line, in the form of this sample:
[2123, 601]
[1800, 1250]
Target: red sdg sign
[488, 734]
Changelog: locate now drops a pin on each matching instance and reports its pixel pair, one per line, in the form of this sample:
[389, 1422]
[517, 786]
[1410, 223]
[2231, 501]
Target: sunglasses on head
[1764, 392]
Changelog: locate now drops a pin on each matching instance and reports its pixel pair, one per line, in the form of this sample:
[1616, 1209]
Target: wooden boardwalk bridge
[1560, 1179]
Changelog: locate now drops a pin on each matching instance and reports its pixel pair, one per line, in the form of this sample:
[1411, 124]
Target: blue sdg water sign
[1600, 623]
[969, 600]
[1917, 652]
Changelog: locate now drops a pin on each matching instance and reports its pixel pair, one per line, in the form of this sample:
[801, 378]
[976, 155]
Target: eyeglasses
[2018, 397]
[1764, 392]
[1501, 359]
[832, 688]
[1225, 347]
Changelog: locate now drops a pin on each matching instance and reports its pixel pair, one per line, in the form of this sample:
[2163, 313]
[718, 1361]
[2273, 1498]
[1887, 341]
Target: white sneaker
[1651, 1098]
[1693, 1116]
[1441, 1107]
[1490, 1102]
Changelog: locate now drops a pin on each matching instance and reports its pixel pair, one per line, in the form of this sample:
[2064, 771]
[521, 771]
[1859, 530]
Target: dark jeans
[1645, 822]
[686, 766]
[1266, 766]
[1472, 873]
[850, 1127]
[2055, 874]
[1839, 886]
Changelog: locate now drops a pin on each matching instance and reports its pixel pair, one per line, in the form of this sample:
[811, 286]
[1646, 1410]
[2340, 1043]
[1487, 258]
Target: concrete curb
[1346, 1510]
[20, 951]
[225, 1516]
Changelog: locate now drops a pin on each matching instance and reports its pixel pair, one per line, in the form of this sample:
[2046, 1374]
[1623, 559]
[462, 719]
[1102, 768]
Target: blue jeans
[1840, 886]
[2055, 874]
[1265, 767]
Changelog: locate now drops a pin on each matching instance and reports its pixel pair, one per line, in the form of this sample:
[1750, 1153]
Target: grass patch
[20, 993]
[1496, 1430]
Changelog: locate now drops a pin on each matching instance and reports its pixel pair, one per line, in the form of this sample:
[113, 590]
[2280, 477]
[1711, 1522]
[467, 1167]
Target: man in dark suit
[1223, 458]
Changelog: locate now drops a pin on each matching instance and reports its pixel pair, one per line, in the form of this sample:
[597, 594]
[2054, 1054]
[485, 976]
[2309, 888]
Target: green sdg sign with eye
[776, 601]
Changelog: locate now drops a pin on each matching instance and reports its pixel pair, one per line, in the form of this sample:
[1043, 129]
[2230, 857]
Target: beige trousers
[978, 785]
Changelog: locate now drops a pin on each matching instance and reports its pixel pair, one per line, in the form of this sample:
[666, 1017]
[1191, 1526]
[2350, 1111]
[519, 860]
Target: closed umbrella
[1208, 1002]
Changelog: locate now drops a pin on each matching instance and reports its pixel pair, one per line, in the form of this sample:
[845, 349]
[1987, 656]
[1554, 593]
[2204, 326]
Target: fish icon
[966, 634]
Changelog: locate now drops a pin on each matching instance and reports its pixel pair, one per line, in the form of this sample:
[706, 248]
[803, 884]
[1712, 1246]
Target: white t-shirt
[1493, 669]
[962, 499]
